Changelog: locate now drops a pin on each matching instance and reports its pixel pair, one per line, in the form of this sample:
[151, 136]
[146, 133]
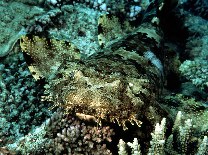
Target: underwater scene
[103, 77]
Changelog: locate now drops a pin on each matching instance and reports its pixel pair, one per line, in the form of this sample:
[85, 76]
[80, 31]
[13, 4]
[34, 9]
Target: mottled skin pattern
[118, 84]
[110, 86]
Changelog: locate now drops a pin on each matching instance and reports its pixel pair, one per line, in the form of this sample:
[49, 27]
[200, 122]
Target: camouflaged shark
[118, 84]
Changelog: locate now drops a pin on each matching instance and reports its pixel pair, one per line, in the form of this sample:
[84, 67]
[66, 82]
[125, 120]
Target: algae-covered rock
[13, 16]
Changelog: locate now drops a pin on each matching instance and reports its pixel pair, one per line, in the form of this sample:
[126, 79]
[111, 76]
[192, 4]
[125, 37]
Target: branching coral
[196, 71]
[20, 105]
[179, 142]
[65, 134]
[158, 139]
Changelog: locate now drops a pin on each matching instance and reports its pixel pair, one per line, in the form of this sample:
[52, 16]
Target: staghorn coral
[158, 139]
[135, 147]
[203, 148]
[122, 148]
[184, 138]
[181, 141]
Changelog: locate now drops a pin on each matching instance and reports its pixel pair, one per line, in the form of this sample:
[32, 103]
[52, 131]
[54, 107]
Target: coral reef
[20, 105]
[106, 72]
[196, 71]
[13, 16]
[65, 134]
[194, 67]
[79, 28]
[158, 139]
[129, 8]
[196, 44]
[42, 23]
[181, 141]
[198, 7]
[190, 107]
